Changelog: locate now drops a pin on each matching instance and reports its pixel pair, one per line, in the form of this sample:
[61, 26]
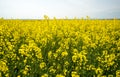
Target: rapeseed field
[60, 48]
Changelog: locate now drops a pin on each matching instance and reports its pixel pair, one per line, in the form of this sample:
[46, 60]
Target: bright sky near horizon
[36, 9]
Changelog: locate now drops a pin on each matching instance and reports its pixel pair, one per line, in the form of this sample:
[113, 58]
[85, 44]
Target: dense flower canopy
[60, 48]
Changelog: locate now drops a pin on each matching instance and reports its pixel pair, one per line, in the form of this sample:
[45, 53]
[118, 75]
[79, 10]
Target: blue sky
[36, 9]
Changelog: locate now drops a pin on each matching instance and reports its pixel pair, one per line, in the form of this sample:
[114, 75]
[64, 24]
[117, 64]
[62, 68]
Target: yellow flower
[75, 51]
[24, 72]
[25, 61]
[65, 53]
[42, 65]
[52, 70]
[66, 63]
[44, 75]
[74, 74]
[60, 75]
[99, 70]
[117, 73]
[74, 58]
[65, 71]
[39, 55]
[49, 54]
[93, 45]
[3, 66]
[55, 55]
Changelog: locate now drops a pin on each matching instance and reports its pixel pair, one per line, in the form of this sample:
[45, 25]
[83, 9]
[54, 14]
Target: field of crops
[60, 48]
